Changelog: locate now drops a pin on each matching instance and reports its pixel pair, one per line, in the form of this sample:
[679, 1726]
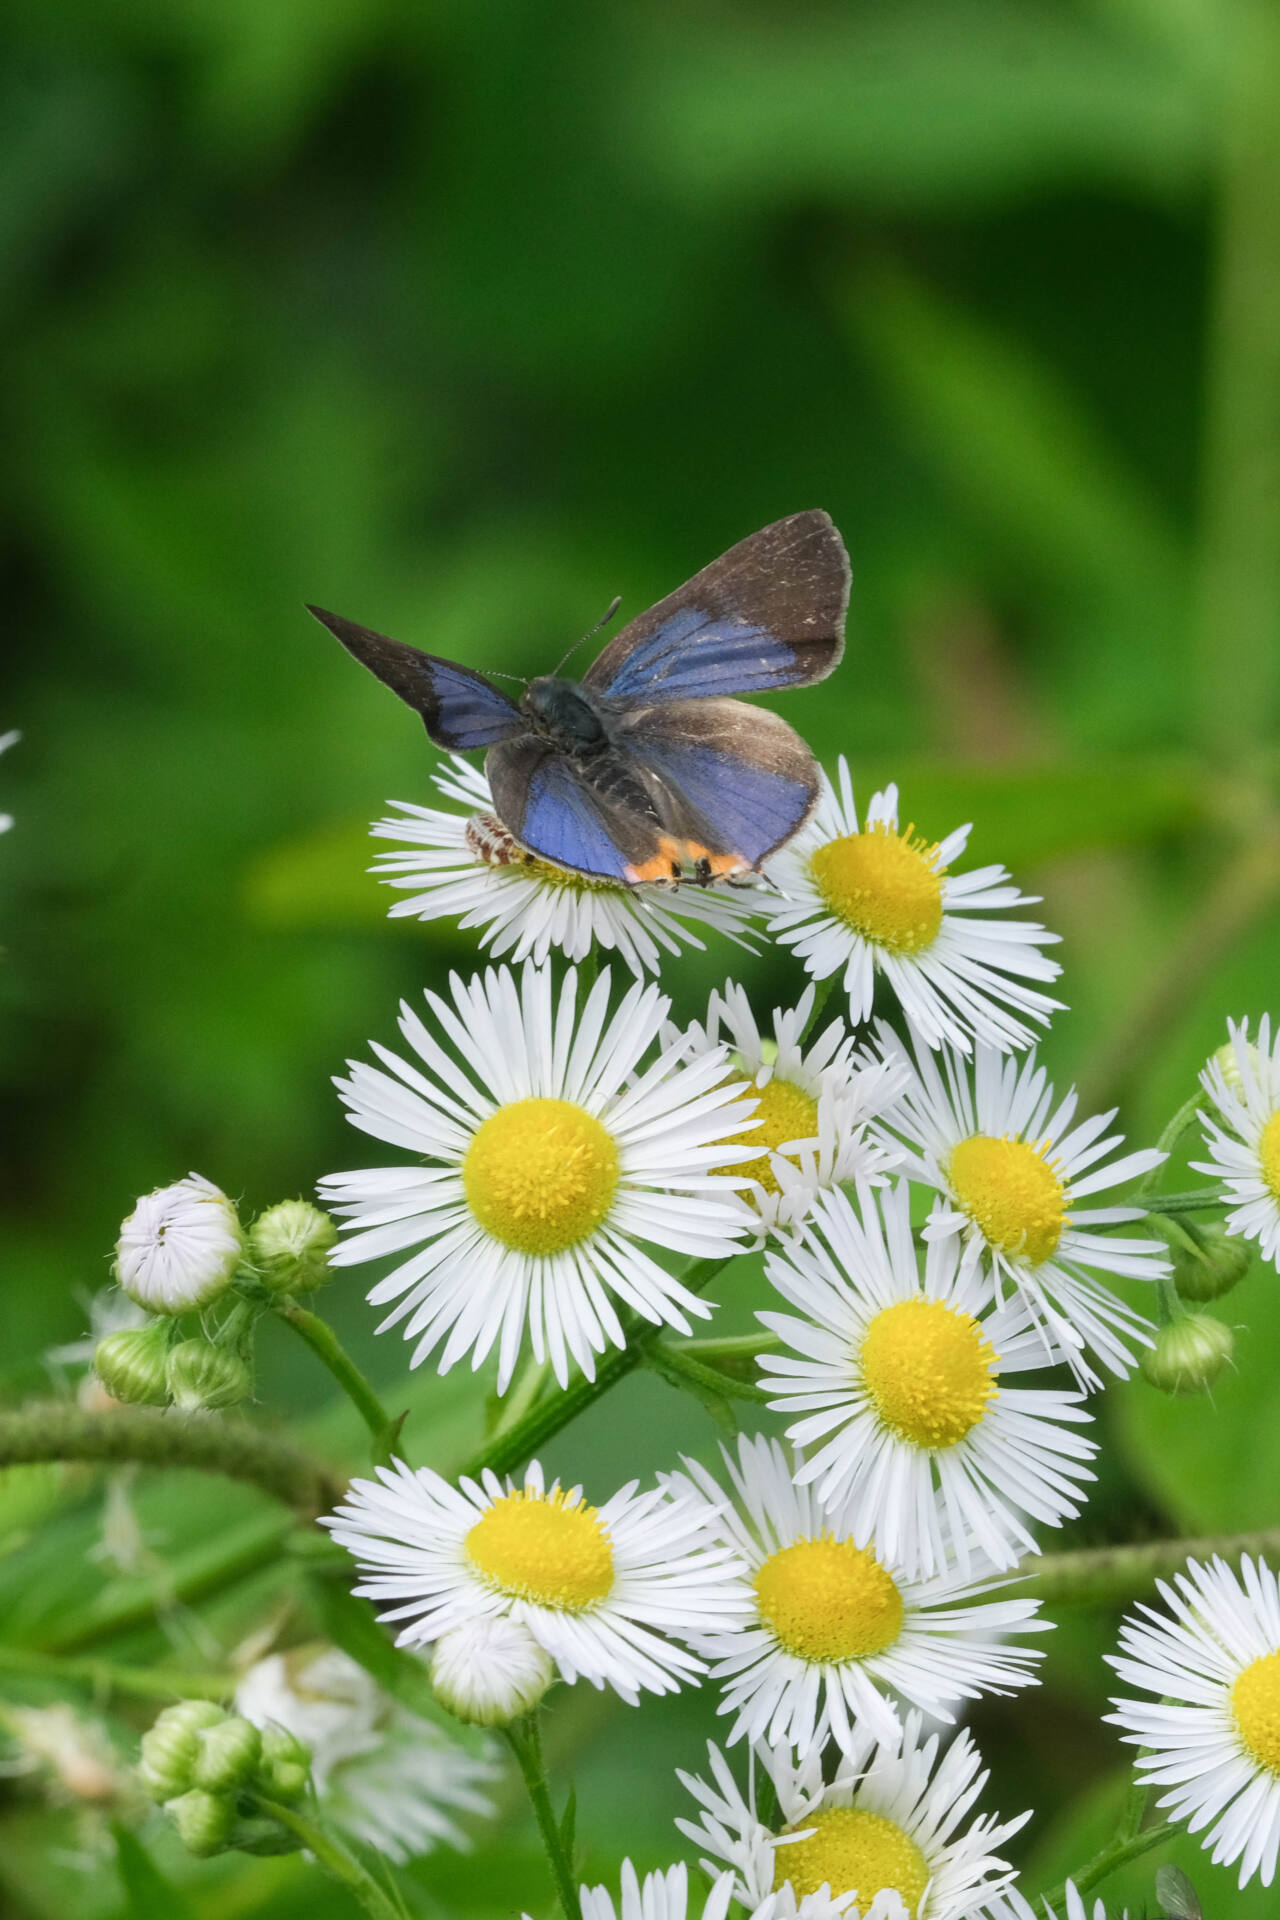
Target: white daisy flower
[552, 1151]
[661, 1896]
[813, 1104]
[1243, 1141]
[899, 1385]
[180, 1247]
[605, 1591]
[1211, 1734]
[837, 1634]
[386, 1776]
[1011, 1164]
[870, 898]
[881, 1842]
[467, 864]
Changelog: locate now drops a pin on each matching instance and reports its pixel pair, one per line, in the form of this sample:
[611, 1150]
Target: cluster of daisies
[938, 1228]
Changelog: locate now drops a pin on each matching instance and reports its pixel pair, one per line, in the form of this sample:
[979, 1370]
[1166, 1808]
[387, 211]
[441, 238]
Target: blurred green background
[461, 319]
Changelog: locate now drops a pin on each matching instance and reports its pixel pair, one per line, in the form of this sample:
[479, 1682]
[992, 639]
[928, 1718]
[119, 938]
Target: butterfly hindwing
[460, 708]
[769, 613]
[738, 779]
[554, 810]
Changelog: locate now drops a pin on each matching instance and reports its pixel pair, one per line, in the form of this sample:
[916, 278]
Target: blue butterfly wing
[737, 782]
[557, 812]
[769, 613]
[701, 785]
[460, 708]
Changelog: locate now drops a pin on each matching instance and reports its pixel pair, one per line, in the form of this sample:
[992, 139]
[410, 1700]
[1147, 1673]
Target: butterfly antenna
[603, 621]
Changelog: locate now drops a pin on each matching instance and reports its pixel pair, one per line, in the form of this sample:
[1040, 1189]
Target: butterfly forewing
[769, 613]
[460, 709]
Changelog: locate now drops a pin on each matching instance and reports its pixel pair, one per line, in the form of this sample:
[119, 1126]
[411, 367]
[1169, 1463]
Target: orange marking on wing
[674, 854]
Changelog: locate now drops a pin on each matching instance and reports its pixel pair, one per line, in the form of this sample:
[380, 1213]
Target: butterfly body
[648, 770]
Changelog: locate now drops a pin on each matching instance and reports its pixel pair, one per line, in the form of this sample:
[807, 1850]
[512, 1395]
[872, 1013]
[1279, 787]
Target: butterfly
[646, 770]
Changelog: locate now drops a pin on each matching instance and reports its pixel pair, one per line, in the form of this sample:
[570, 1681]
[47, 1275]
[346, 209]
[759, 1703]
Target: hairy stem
[341, 1865]
[511, 1449]
[326, 1346]
[1103, 1576]
[1107, 1859]
[59, 1430]
[526, 1743]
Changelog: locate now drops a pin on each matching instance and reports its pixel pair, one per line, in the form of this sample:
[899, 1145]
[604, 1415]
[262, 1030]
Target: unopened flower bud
[1189, 1354]
[229, 1756]
[286, 1764]
[200, 1374]
[205, 1821]
[1229, 1060]
[171, 1747]
[132, 1364]
[1207, 1271]
[180, 1247]
[490, 1671]
[289, 1244]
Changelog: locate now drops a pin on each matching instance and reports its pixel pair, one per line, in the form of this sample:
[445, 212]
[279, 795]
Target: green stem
[1107, 1576]
[59, 1430]
[341, 1865]
[1195, 1200]
[678, 1366]
[105, 1677]
[526, 1743]
[326, 1346]
[1239, 624]
[1115, 1854]
[733, 1346]
[509, 1450]
[1169, 1307]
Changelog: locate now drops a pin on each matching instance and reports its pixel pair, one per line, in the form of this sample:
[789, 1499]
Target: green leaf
[148, 1894]
[569, 1824]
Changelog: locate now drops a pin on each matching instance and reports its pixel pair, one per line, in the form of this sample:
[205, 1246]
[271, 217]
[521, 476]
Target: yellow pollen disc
[855, 1852]
[826, 1599]
[1255, 1705]
[1269, 1154]
[536, 1546]
[928, 1368]
[884, 885]
[1012, 1193]
[540, 1175]
[783, 1112]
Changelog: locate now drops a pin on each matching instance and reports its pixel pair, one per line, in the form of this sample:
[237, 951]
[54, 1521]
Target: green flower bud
[1189, 1354]
[289, 1247]
[171, 1747]
[205, 1821]
[1207, 1272]
[131, 1364]
[202, 1375]
[286, 1765]
[229, 1756]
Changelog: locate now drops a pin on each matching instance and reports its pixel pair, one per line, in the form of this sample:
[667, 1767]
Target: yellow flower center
[1269, 1154]
[852, 1851]
[537, 1546]
[826, 1599]
[1255, 1705]
[1010, 1191]
[928, 1368]
[783, 1112]
[884, 885]
[540, 1175]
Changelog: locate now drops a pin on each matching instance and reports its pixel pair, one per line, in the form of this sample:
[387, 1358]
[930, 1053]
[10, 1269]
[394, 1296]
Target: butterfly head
[563, 713]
